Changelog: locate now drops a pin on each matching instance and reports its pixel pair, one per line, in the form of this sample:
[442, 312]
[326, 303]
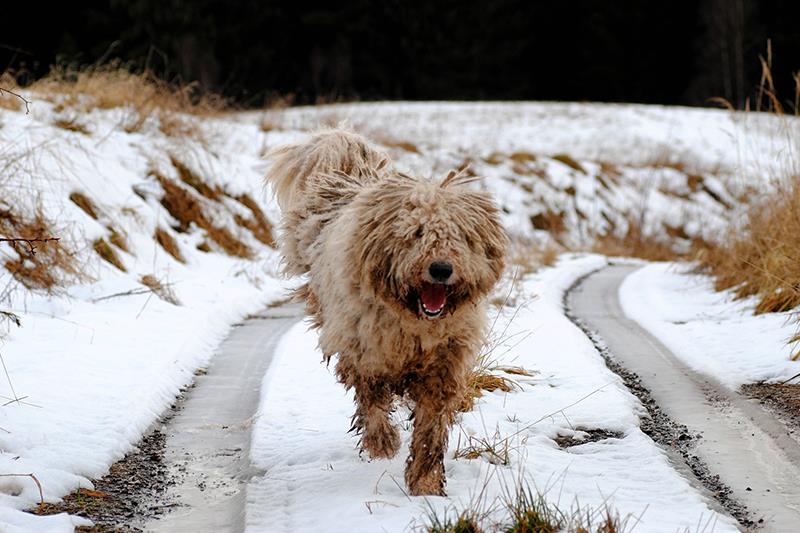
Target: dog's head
[427, 247]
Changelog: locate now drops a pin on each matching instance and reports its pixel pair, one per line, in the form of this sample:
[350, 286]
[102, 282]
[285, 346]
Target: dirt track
[740, 454]
[208, 440]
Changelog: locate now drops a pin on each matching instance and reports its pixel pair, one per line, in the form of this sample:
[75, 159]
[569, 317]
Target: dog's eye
[418, 233]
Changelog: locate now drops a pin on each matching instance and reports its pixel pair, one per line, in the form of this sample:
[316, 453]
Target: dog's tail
[312, 181]
[326, 168]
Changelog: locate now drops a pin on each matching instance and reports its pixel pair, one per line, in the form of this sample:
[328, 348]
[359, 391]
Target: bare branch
[29, 242]
[27, 102]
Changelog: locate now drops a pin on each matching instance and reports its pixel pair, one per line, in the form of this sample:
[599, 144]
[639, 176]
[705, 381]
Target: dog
[399, 269]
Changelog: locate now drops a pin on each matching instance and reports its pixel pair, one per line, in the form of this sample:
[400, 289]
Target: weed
[463, 523]
[495, 449]
[163, 291]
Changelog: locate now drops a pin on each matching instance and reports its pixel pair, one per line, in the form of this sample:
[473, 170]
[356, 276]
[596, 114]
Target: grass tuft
[187, 207]
[48, 265]
[169, 244]
[72, 124]
[107, 252]
[571, 163]
[113, 85]
[85, 203]
[162, 290]
[460, 524]
[763, 258]
[191, 179]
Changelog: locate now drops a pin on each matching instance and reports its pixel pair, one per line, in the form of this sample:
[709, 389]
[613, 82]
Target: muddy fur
[369, 238]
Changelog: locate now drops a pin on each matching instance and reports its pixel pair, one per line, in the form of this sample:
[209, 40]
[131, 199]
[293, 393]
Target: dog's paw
[381, 442]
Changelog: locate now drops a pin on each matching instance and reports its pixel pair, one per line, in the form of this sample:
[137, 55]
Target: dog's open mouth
[432, 298]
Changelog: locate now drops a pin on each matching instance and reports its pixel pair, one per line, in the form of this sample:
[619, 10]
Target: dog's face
[426, 248]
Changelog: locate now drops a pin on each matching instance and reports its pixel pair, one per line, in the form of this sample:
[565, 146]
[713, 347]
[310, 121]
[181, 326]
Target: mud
[129, 492]
[783, 400]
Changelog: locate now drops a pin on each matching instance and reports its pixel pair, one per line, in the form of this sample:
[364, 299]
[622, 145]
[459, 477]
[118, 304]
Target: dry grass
[162, 290]
[395, 143]
[571, 163]
[259, 225]
[463, 523]
[495, 449]
[108, 254]
[114, 85]
[176, 125]
[197, 183]
[527, 259]
[187, 207]
[169, 244]
[118, 239]
[10, 102]
[48, 266]
[549, 221]
[763, 258]
[72, 124]
[85, 203]
[524, 510]
[530, 512]
[635, 244]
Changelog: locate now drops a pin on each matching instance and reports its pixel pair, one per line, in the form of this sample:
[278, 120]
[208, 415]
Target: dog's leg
[379, 438]
[436, 399]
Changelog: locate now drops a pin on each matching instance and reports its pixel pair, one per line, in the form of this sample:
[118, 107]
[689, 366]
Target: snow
[97, 363]
[95, 367]
[666, 169]
[710, 331]
[314, 479]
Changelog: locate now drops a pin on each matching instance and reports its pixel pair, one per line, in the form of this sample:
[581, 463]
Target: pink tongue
[433, 297]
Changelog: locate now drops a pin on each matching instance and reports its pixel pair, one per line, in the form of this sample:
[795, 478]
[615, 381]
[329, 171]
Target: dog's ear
[485, 215]
[462, 176]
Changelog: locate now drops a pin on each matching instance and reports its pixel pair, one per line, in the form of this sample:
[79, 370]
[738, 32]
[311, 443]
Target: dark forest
[678, 52]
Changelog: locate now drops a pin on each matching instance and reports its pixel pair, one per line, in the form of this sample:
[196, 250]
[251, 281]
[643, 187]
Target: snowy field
[96, 362]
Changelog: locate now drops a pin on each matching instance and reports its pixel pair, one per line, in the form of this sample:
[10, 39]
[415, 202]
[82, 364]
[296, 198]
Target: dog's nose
[440, 271]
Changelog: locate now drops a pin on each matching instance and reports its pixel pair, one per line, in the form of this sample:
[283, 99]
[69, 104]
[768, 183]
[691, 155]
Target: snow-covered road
[746, 446]
[208, 440]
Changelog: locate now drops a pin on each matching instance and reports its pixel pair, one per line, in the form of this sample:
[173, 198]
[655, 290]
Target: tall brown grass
[112, 85]
[761, 257]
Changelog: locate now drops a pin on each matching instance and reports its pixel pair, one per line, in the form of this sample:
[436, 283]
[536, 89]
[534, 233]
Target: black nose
[440, 271]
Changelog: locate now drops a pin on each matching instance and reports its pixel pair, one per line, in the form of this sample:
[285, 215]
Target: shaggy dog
[399, 269]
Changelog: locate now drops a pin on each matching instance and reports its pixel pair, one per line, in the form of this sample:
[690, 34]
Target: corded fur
[366, 235]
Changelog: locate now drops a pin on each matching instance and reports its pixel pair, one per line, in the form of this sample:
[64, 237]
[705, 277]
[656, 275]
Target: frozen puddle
[208, 440]
[743, 444]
